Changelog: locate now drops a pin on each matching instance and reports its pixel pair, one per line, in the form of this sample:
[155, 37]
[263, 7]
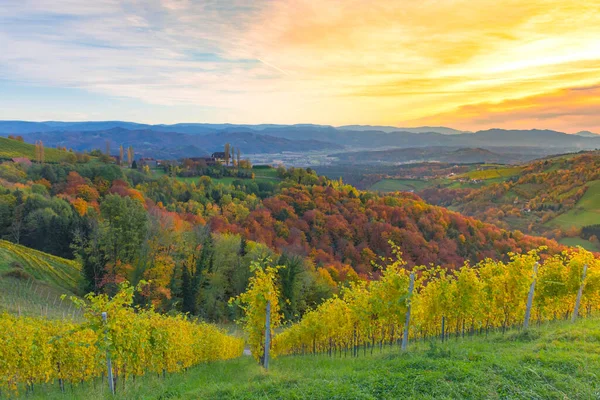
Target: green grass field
[394, 185]
[12, 148]
[31, 282]
[492, 173]
[260, 175]
[585, 212]
[586, 244]
[265, 173]
[555, 361]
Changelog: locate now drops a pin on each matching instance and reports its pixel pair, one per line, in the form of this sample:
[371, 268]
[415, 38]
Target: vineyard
[491, 295]
[41, 266]
[401, 306]
[10, 148]
[38, 351]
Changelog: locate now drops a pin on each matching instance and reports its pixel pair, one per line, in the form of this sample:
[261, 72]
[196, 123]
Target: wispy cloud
[568, 110]
[357, 61]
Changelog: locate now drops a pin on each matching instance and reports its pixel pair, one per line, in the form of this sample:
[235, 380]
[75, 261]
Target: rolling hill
[168, 139]
[32, 282]
[554, 196]
[10, 148]
[438, 154]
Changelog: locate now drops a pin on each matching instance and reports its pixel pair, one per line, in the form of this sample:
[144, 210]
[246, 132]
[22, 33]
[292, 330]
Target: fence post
[111, 382]
[267, 335]
[579, 294]
[530, 297]
[411, 286]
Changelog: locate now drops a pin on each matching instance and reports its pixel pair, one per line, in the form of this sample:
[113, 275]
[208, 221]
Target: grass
[585, 212]
[576, 241]
[394, 185]
[31, 282]
[555, 361]
[260, 175]
[492, 173]
[34, 299]
[10, 148]
[266, 173]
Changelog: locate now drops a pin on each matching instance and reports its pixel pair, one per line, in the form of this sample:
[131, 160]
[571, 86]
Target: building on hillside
[116, 158]
[218, 156]
[149, 161]
[22, 160]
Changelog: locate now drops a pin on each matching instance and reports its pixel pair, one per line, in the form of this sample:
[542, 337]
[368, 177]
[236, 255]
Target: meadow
[585, 212]
[492, 173]
[260, 175]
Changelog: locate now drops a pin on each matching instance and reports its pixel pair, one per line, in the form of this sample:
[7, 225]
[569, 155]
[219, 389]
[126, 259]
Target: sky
[470, 65]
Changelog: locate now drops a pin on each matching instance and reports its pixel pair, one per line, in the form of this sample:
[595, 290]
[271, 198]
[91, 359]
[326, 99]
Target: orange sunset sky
[466, 64]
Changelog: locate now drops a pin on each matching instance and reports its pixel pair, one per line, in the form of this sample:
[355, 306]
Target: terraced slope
[32, 282]
[41, 266]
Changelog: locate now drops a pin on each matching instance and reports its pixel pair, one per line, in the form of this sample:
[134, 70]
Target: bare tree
[17, 224]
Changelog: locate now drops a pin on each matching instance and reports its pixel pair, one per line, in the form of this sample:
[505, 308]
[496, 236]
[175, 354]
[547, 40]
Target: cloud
[323, 61]
[568, 110]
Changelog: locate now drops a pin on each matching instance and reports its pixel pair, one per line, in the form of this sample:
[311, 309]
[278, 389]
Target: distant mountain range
[421, 129]
[587, 134]
[20, 127]
[193, 139]
[439, 154]
[158, 144]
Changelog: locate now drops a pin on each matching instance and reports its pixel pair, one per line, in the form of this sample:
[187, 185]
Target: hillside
[555, 196]
[129, 225]
[350, 229]
[10, 148]
[556, 361]
[32, 282]
[437, 154]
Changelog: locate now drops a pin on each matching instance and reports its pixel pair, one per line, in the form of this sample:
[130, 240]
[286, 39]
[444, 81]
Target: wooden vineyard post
[579, 294]
[111, 382]
[443, 328]
[530, 297]
[411, 286]
[267, 335]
